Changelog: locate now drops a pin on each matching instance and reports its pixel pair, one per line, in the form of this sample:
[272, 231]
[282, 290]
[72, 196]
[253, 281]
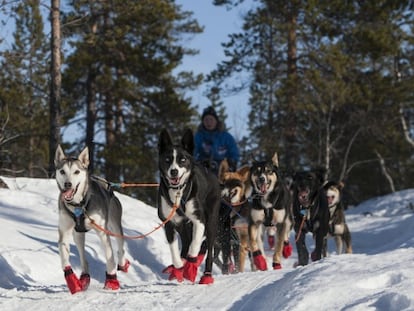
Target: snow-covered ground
[378, 276]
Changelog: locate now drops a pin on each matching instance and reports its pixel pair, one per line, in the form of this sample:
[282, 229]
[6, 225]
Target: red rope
[108, 232]
[300, 228]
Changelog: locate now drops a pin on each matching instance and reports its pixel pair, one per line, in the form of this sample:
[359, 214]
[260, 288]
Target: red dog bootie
[190, 269]
[72, 280]
[125, 267]
[200, 259]
[85, 279]
[111, 282]
[287, 249]
[276, 266]
[175, 273]
[206, 279]
[271, 241]
[259, 261]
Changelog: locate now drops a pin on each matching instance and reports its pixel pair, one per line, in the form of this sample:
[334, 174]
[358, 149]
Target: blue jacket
[215, 146]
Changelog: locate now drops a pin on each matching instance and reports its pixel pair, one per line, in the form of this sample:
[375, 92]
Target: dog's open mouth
[175, 181]
[262, 187]
[69, 194]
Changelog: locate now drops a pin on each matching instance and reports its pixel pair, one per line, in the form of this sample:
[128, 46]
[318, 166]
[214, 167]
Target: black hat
[209, 111]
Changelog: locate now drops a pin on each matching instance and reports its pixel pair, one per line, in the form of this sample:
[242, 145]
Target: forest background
[330, 84]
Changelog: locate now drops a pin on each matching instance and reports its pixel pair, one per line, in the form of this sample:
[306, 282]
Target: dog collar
[81, 204]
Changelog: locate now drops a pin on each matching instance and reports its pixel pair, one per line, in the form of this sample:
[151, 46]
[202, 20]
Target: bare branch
[405, 128]
[345, 170]
[385, 171]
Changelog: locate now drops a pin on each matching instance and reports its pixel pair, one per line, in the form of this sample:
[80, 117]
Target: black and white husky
[83, 199]
[194, 193]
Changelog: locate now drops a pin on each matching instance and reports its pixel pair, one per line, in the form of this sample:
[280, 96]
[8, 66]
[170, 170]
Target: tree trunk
[385, 171]
[110, 130]
[55, 85]
[290, 131]
[91, 117]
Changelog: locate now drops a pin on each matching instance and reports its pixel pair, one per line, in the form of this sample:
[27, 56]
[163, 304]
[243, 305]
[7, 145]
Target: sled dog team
[189, 200]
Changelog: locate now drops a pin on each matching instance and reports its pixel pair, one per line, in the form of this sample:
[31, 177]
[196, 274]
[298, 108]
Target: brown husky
[236, 189]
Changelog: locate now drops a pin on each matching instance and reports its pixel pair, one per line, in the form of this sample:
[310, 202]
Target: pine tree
[123, 63]
[322, 85]
[24, 94]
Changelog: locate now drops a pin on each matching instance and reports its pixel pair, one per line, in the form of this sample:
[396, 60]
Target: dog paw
[315, 256]
[85, 279]
[168, 270]
[111, 282]
[206, 279]
[72, 281]
[225, 269]
[259, 261]
[125, 267]
[190, 269]
[174, 273]
[287, 249]
[276, 266]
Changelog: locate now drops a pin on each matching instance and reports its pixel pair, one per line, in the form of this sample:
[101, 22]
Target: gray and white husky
[83, 200]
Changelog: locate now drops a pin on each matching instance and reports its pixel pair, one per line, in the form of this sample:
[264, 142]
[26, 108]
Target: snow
[377, 276]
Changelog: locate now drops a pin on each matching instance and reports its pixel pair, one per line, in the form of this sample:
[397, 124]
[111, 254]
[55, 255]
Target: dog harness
[78, 215]
[268, 212]
[274, 199]
[184, 198]
[306, 214]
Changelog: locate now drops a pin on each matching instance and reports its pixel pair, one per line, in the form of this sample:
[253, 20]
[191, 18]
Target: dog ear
[223, 168]
[320, 173]
[164, 141]
[59, 155]
[244, 172]
[188, 141]
[251, 158]
[275, 159]
[84, 157]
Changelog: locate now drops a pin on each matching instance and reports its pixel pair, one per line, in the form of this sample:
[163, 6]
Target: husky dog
[271, 206]
[83, 199]
[236, 190]
[311, 213]
[194, 193]
[338, 229]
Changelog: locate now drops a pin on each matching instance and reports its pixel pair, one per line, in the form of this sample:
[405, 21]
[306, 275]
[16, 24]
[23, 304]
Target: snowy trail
[378, 276]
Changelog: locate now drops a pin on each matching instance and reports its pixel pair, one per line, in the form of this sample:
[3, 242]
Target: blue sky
[218, 23]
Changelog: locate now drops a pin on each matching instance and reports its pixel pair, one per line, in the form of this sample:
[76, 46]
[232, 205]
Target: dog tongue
[175, 181]
[68, 194]
[263, 188]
